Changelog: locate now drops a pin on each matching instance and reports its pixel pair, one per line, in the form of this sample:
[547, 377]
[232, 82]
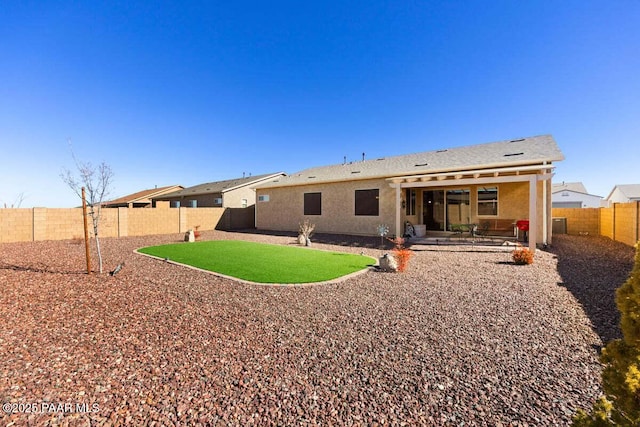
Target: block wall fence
[35, 224]
[620, 222]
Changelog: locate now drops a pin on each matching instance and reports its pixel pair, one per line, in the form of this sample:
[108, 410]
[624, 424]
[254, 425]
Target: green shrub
[621, 359]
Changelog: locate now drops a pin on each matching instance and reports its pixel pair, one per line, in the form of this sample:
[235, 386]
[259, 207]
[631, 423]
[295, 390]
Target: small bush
[522, 256]
[401, 254]
[306, 228]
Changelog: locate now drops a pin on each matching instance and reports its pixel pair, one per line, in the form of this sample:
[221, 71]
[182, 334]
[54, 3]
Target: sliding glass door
[441, 208]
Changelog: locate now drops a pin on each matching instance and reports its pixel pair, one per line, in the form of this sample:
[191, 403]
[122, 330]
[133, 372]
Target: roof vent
[355, 171]
[312, 176]
[422, 164]
[513, 154]
[380, 158]
[442, 151]
[517, 140]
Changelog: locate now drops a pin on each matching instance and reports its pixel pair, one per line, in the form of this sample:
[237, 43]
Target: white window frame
[263, 198]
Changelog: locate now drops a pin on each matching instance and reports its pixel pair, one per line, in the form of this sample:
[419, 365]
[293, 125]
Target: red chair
[523, 225]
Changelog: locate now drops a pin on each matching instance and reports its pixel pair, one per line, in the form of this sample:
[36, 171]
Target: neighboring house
[573, 195]
[141, 199]
[231, 193]
[496, 183]
[624, 194]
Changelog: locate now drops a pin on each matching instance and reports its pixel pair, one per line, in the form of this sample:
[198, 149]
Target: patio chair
[483, 229]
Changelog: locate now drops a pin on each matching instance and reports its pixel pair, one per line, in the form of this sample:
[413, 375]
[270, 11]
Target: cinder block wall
[23, 225]
[626, 222]
[580, 221]
[606, 222]
[16, 225]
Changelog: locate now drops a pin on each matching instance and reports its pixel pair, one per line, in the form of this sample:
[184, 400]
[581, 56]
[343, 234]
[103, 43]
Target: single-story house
[141, 199]
[230, 193]
[624, 193]
[496, 183]
[573, 195]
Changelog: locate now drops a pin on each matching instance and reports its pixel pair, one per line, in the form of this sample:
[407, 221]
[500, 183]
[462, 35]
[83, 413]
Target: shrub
[306, 228]
[522, 256]
[621, 359]
[401, 254]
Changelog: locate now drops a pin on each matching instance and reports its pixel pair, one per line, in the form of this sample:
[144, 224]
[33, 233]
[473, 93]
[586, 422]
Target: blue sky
[190, 92]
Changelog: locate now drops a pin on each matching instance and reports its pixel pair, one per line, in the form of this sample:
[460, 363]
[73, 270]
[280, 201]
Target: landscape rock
[463, 337]
[388, 263]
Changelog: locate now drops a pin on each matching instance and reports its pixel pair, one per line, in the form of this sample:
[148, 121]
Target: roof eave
[540, 162]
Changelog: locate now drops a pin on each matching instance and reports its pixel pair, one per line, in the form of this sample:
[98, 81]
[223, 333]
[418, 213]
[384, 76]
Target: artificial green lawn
[262, 263]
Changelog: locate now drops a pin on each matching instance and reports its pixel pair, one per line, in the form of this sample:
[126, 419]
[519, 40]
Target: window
[217, 201]
[244, 203]
[263, 198]
[410, 200]
[313, 203]
[175, 204]
[488, 201]
[367, 202]
[193, 203]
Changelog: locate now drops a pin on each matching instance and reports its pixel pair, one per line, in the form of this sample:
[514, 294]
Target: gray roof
[630, 191]
[576, 187]
[523, 151]
[220, 186]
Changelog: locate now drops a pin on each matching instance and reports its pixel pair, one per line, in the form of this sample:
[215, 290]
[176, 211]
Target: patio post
[398, 205]
[533, 214]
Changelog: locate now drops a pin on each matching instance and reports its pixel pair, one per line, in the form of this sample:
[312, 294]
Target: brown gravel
[464, 337]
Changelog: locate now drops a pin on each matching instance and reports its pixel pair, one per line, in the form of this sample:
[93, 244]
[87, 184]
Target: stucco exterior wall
[617, 196]
[285, 209]
[586, 200]
[233, 198]
[202, 200]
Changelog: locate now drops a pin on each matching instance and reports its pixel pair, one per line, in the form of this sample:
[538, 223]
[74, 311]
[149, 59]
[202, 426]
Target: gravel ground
[464, 337]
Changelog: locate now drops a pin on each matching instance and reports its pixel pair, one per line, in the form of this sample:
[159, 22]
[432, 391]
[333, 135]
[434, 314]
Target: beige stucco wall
[233, 198]
[284, 210]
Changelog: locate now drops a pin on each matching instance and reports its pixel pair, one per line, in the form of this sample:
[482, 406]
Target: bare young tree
[97, 183]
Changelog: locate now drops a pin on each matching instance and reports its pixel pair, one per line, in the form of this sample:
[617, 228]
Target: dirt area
[464, 337]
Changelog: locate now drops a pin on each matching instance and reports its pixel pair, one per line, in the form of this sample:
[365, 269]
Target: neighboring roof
[576, 187]
[143, 196]
[523, 151]
[220, 186]
[630, 191]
